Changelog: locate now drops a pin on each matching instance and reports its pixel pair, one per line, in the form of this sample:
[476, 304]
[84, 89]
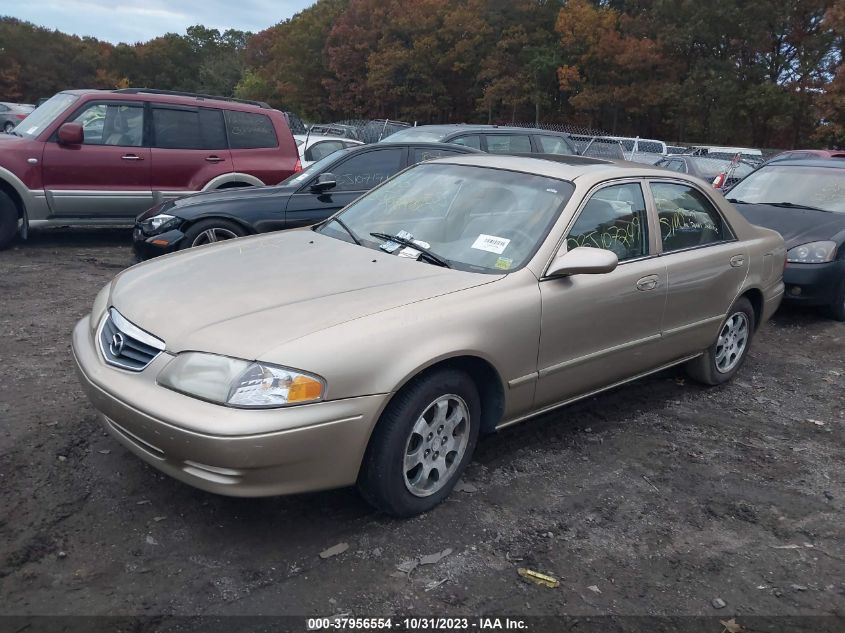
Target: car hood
[796, 226]
[224, 196]
[246, 296]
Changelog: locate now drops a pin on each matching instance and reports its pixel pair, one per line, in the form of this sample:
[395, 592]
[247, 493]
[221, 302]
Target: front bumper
[814, 284]
[146, 247]
[228, 451]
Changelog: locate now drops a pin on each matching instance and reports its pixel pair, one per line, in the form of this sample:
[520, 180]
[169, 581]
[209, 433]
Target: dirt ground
[657, 498]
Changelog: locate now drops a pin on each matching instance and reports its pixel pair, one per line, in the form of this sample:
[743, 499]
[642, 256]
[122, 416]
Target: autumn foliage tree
[749, 72]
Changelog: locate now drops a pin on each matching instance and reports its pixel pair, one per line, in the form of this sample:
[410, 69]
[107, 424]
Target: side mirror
[582, 261]
[71, 134]
[324, 181]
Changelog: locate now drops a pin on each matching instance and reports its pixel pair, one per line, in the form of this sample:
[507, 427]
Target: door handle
[214, 159]
[737, 261]
[131, 157]
[649, 282]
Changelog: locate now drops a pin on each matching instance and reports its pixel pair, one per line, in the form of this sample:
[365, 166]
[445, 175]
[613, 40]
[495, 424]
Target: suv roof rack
[196, 95]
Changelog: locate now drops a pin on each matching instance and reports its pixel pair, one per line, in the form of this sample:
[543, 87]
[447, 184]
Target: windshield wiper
[735, 201]
[795, 205]
[432, 257]
[344, 227]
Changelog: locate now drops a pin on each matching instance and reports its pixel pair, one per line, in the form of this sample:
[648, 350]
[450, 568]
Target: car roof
[427, 144]
[176, 99]
[324, 137]
[835, 163]
[448, 128]
[561, 168]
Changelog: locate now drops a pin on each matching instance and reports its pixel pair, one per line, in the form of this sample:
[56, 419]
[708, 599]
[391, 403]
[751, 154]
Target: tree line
[767, 73]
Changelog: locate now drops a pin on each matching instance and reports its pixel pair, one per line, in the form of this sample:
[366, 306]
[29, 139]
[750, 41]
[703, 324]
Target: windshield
[418, 135]
[817, 187]
[44, 115]
[313, 169]
[475, 218]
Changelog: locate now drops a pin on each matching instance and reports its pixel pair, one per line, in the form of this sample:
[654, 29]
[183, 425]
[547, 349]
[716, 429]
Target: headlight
[239, 383]
[159, 223]
[812, 253]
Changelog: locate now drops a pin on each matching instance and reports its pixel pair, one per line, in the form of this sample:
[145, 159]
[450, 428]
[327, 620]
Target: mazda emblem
[117, 343]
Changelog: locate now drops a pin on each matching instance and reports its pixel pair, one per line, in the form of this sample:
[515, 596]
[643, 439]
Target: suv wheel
[724, 358]
[8, 219]
[210, 231]
[422, 443]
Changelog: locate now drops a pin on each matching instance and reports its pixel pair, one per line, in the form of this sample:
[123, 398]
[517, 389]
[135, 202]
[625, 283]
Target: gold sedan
[463, 295]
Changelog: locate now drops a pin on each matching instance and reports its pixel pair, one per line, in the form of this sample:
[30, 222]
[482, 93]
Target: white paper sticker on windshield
[409, 252]
[491, 244]
[32, 130]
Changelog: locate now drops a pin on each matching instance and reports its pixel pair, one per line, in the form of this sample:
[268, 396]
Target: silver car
[13, 113]
[464, 295]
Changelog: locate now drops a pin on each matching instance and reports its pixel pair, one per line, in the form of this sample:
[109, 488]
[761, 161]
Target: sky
[140, 20]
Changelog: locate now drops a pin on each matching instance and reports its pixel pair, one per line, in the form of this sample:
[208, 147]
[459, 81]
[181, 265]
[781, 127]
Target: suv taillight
[21, 116]
[298, 166]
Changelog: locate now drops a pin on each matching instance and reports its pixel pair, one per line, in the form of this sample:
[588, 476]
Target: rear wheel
[8, 127]
[724, 358]
[211, 231]
[8, 219]
[422, 443]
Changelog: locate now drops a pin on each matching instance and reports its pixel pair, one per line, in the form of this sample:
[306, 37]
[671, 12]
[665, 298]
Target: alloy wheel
[436, 445]
[214, 234]
[733, 339]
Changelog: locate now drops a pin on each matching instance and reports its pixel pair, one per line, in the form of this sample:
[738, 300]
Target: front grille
[125, 345]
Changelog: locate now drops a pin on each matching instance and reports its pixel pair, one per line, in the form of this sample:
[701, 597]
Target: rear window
[188, 128]
[508, 143]
[249, 130]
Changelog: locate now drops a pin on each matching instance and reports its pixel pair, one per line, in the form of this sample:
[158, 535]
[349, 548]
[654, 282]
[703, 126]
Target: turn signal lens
[304, 389]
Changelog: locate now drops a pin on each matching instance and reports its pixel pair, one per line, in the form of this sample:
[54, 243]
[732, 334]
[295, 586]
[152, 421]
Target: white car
[313, 147]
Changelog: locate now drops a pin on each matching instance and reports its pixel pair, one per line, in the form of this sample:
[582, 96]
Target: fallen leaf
[334, 550]
[594, 588]
[538, 578]
[732, 626]
[431, 559]
[407, 566]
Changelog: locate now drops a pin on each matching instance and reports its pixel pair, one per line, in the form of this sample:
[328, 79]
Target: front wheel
[724, 358]
[211, 231]
[8, 220]
[421, 444]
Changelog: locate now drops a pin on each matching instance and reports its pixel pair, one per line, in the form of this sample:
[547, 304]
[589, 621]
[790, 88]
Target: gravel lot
[656, 498]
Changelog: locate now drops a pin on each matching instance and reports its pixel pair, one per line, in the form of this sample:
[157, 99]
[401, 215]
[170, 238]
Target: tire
[199, 234]
[386, 481]
[836, 310]
[8, 220]
[713, 367]
[8, 127]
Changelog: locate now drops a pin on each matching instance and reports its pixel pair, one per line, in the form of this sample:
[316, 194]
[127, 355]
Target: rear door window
[419, 154]
[322, 149]
[472, 140]
[364, 171]
[188, 128]
[554, 145]
[250, 130]
[508, 143]
[687, 218]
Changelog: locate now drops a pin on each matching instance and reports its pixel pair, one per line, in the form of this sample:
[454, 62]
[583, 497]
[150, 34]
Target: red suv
[101, 157]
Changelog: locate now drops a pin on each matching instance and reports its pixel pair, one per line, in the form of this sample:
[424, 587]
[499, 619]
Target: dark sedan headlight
[812, 253]
[160, 223]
